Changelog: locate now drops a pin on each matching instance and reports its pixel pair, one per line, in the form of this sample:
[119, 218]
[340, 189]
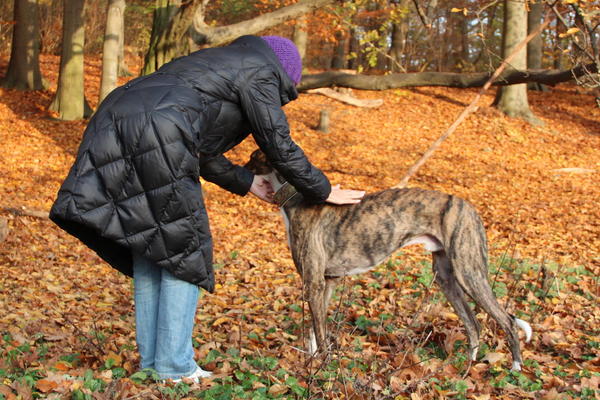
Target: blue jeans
[165, 308]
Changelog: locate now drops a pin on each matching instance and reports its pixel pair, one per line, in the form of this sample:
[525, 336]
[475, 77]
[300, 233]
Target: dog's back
[352, 239]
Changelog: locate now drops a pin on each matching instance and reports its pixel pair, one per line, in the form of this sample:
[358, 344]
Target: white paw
[312, 343]
[516, 366]
[474, 353]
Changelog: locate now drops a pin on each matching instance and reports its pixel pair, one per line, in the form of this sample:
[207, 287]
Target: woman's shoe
[195, 377]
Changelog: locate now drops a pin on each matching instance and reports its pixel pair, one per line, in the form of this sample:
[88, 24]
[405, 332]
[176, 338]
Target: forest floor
[66, 319]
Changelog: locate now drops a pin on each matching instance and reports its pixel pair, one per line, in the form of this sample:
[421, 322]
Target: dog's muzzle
[285, 193]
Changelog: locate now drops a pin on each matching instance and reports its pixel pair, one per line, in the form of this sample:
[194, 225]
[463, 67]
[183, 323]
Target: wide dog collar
[285, 193]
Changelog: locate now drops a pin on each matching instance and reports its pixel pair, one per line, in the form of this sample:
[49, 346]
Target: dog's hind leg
[444, 276]
[475, 283]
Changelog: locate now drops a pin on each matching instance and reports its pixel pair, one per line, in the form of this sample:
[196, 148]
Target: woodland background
[66, 318]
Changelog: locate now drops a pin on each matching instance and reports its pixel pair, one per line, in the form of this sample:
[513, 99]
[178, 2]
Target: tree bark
[300, 37]
[219, 35]
[448, 79]
[24, 66]
[536, 46]
[557, 51]
[398, 38]
[338, 61]
[512, 100]
[110, 52]
[69, 100]
[123, 70]
[172, 20]
[355, 60]
[172, 24]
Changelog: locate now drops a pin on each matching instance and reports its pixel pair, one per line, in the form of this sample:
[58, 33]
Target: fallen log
[448, 79]
[22, 211]
[347, 98]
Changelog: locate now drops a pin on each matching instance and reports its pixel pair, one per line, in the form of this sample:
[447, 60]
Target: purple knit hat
[288, 56]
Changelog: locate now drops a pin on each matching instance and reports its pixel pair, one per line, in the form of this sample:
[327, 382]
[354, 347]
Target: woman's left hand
[262, 188]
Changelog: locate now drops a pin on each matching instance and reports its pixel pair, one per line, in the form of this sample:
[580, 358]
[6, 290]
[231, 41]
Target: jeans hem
[178, 375]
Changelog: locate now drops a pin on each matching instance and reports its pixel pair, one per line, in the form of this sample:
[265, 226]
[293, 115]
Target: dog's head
[258, 163]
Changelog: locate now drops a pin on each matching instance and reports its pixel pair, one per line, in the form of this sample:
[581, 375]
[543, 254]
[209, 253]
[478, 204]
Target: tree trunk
[457, 57]
[452, 39]
[448, 79]
[69, 101]
[536, 46]
[512, 100]
[338, 61]
[300, 37]
[110, 52]
[123, 70]
[171, 22]
[398, 37]
[354, 61]
[170, 26]
[24, 66]
[557, 53]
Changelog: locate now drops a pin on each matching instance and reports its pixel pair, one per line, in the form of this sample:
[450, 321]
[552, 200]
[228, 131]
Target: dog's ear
[258, 163]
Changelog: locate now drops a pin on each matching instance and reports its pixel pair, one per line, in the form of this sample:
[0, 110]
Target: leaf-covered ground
[66, 320]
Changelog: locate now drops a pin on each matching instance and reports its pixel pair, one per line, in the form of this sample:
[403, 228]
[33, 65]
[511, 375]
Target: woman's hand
[344, 196]
[262, 188]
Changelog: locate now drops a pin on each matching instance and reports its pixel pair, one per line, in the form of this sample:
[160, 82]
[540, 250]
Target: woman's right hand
[344, 196]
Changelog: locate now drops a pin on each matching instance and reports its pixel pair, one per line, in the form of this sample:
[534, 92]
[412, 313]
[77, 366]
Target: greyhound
[329, 242]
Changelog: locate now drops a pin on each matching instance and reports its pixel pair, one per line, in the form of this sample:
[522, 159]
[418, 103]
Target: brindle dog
[329, 242]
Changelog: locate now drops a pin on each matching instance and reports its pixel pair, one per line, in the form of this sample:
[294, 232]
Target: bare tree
[300, 37]
[173, 19]
[113, 39]
[399, 35]
[69, 101]
[24, 66]
[536, 46]
[338, 61]
[512, 100]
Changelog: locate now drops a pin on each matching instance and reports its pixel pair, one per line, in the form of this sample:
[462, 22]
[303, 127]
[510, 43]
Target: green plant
[145, 375]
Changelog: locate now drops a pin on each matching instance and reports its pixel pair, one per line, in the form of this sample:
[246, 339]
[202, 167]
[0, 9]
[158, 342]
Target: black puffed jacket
[134, 186]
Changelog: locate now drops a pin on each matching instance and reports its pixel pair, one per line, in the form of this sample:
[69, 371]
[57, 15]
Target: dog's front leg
[315, 286]
[330, 285]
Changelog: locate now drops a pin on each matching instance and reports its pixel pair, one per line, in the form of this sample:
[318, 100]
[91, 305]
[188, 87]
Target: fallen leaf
[277, 389]
[45, 385]
[494, 357]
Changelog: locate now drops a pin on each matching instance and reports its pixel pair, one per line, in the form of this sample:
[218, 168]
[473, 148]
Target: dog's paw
[516, 366]
[312, 349]
[474, 353]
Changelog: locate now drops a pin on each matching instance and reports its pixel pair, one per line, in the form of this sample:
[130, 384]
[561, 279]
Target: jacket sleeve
[221, 171]
[261, 103]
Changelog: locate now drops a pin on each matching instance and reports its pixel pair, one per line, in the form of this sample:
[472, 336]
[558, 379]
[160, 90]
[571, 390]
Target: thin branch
[25, 212]
[422, 15]
[566, 25]
[588, 30]
[473, 106]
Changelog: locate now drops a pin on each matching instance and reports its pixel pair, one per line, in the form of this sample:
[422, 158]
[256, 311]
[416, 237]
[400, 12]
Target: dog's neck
[286, 195]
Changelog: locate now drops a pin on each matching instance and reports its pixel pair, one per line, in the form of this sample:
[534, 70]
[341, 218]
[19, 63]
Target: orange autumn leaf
[45, 385]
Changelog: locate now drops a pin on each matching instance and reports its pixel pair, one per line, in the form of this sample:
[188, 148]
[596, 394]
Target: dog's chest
[286, 221]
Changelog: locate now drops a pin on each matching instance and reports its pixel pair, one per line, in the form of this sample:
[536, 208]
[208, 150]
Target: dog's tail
[525, 327]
